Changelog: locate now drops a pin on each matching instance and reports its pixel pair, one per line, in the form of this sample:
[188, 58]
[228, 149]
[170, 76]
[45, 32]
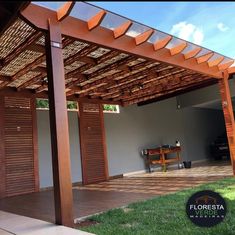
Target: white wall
[204, 95]
[132, 130]
[44, 148]
[136, 128]
[201, 127]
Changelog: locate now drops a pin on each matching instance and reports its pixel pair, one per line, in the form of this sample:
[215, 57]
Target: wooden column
[228, 115]
[35, 142]
[59, 127]
[2, 151]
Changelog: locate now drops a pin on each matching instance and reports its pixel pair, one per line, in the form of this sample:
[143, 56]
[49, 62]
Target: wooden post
[59, 127]
[228, 115]
[2, 151]
[35, 142]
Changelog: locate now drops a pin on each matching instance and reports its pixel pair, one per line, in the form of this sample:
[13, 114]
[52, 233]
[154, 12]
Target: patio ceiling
[106, 57]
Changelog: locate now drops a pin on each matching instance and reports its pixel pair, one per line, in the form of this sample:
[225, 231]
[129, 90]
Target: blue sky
[209, 24]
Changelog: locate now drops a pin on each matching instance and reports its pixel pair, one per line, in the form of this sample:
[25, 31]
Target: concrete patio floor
[21, 225]
[95, 198]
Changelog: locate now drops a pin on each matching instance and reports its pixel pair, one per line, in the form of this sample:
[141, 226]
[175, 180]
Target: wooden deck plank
[103, 196]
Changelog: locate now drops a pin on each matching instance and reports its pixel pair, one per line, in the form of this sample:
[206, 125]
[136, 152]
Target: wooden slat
[92, 142]
[35, 144]
[20, 165]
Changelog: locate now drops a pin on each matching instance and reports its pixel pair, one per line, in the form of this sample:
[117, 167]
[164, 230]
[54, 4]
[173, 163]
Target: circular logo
[206, 208]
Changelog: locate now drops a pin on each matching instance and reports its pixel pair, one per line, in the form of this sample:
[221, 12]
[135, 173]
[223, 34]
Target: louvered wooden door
[20, 146]
[92, 143]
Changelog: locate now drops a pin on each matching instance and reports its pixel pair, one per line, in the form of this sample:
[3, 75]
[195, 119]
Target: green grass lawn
[165, 215]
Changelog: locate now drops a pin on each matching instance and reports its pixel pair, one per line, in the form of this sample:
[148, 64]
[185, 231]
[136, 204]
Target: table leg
[163, 162]
[178, 156]
[149, 164]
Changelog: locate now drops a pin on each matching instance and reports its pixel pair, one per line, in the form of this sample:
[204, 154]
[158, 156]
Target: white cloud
[222, 27]
[198, 36]
[188, 32]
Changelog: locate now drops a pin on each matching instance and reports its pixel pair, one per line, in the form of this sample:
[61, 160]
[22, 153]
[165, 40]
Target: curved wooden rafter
[122, 29]
[226, 65]
[159, 44]
[192, 53]
[216, 61]
[96, 20]
[231, 70]
[65, 10]
[143, 37]
[204, 58]
[178, 48]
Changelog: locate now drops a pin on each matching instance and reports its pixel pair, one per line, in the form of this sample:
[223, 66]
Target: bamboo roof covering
[106, 56]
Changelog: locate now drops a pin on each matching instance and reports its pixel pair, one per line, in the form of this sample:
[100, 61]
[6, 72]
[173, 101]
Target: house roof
[106, 56]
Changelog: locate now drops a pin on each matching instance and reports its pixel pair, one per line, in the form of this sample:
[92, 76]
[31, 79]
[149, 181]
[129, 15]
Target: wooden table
[162, 153]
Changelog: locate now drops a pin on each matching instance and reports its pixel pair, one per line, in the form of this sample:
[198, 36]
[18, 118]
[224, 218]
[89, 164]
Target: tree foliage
[43, 103]
[110, 107]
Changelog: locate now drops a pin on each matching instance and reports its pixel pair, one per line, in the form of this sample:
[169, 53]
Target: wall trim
[171, 166]
[135, 172]
[79, 183]
[115, 177]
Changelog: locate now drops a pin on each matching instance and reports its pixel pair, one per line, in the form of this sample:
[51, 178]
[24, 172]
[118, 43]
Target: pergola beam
[106, 38]
[109, 80]
[31, 81]
[85, 51]
[148, 85]
[108, 67]
[158, 93]
[153, 74]
[176, 93]
[36, 48]
[96, 101]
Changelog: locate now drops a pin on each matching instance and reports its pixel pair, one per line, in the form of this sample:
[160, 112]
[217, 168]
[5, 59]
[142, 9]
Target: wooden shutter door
[20, 146]
[92, 143]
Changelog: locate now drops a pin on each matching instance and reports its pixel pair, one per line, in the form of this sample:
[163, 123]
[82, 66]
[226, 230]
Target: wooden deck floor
[96, 198]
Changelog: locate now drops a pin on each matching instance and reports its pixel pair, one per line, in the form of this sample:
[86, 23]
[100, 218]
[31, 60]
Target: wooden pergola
[83, 53]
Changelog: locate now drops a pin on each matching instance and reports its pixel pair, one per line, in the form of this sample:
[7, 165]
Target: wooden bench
[162, 152]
